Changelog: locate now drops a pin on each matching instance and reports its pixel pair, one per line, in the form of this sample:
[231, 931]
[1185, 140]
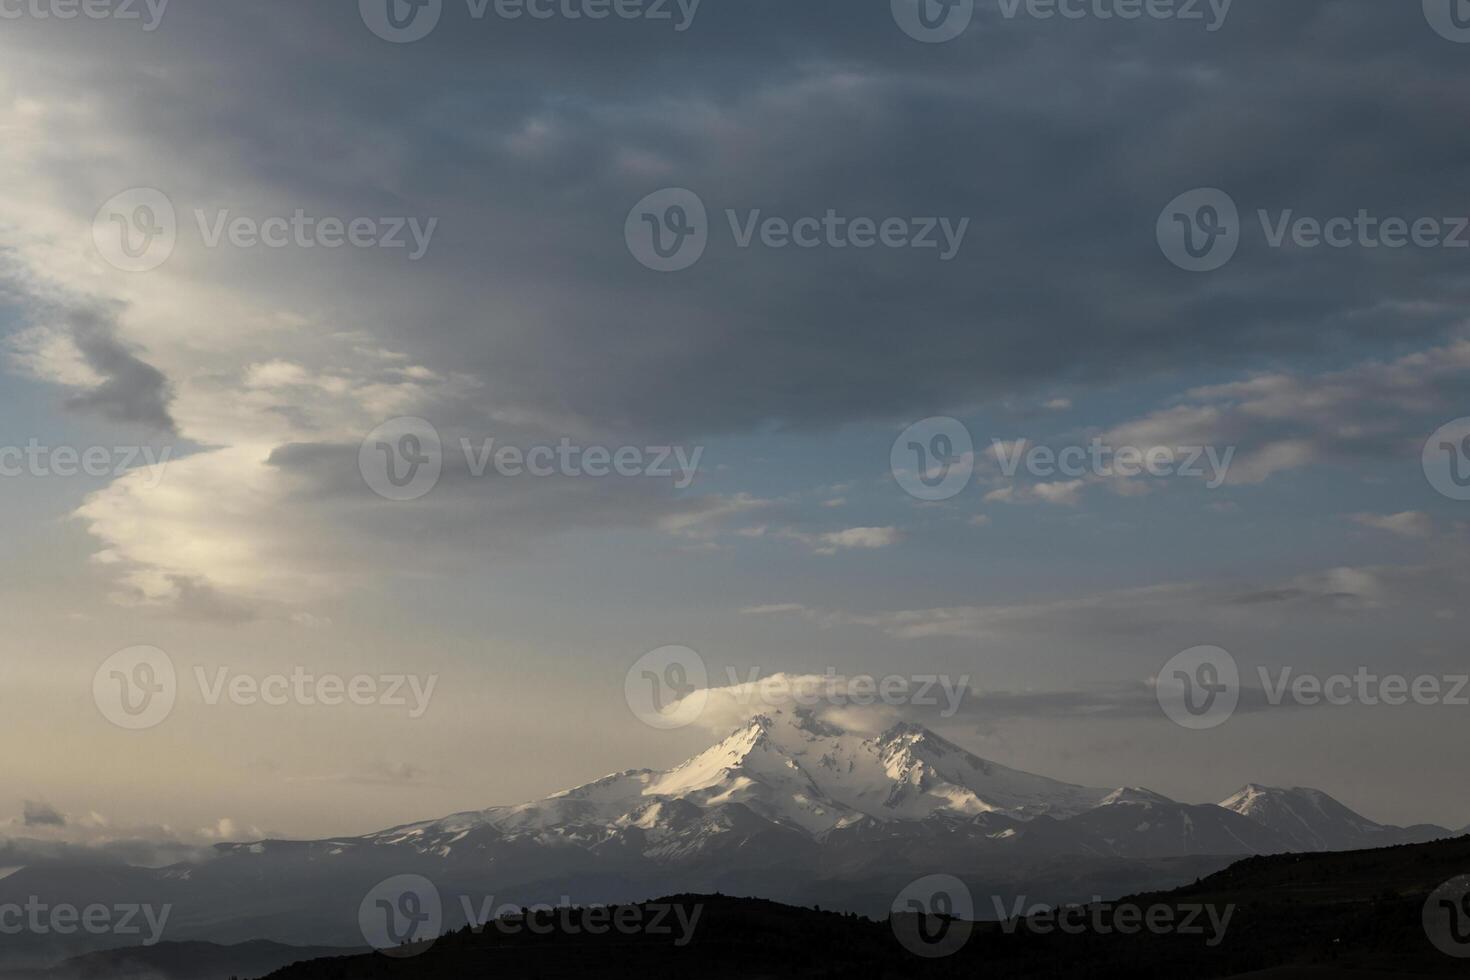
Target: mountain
[1310, 820]
[791, 770]
[1150, 828]
[787, 807]
[182, 961]
[1336, 915]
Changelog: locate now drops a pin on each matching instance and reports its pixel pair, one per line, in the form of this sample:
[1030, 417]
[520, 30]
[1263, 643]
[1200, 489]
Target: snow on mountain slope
[1134, 794]
[788, 781]
[797, 770]
[1313, 821]
[789, 769]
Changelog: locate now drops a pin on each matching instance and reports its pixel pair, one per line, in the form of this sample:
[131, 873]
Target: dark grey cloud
[133, 852]
[1126, 701]
[36, 814]
[131, 390]
[1061, 141]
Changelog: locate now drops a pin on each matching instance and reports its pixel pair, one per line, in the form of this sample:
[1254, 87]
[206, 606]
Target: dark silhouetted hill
[1295, 916]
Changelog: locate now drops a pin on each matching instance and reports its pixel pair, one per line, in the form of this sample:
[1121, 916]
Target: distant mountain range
[795, 783]
[182, 961]
[787, 807]
[1320, 916]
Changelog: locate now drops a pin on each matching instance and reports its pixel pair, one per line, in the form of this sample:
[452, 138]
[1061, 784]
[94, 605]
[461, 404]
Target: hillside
[1315, 915]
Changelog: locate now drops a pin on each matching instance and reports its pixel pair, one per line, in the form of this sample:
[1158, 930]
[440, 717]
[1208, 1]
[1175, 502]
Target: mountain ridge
[786, 806]
[798, 773]
[799, 778]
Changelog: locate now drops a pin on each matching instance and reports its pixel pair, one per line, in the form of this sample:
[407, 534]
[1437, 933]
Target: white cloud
[861, 538]
[1409, 524]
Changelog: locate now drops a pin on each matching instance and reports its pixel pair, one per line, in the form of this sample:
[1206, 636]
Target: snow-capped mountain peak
[1314, 821]
[788, 785]
[1134, 794]
[795, 769]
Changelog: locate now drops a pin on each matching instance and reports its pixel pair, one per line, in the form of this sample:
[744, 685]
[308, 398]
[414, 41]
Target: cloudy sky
[496, 286]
